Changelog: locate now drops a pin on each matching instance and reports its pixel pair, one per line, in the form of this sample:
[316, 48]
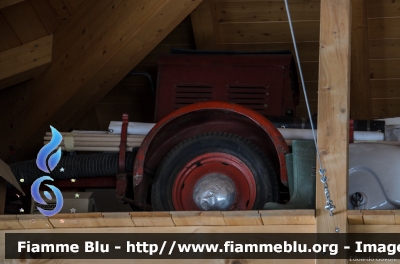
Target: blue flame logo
[47, 162]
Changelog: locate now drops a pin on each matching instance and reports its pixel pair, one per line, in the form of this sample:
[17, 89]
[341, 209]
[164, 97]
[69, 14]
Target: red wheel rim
[215, 162]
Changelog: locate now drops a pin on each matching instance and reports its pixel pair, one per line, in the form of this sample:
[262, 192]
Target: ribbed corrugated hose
[75, 167]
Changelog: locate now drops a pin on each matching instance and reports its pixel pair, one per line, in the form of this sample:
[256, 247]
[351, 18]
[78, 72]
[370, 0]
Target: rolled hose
[75, 167]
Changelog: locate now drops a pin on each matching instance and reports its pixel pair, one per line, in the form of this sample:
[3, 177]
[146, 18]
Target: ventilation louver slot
[252, 96]
[192, 93]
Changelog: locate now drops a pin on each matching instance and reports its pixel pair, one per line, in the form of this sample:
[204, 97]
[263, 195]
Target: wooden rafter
[92, 52]
[24, 62]
[5, 3]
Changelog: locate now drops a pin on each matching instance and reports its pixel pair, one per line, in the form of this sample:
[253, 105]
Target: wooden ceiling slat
[79, 77]
[60, 8]
[5, 3]
[72, 5]
[47, 15]
[8, 38]
[24, 21]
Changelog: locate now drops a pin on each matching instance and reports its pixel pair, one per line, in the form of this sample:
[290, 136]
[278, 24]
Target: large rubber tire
[266, 182]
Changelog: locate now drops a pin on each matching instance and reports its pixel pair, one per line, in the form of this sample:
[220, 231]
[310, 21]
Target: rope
[329, 203]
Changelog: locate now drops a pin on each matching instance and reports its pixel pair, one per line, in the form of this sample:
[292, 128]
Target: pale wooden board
[259, 11]
[396, 216]
[242, 218]
[268, 32]
[34, 221]
[78, 220]
[189, 218]
[8, 38]
[156, 219]
[5, 3]
[384, 108]
[118, 219]
[355, 217]
[360, 92]
[387, 27]
[9, 222]
[385, 69]
[383, 8]
[389, 88]
[333, 115]
[24, 21]
[26, 57]
[378, 217]
[384, 48]
[288, 217]
[394, 229]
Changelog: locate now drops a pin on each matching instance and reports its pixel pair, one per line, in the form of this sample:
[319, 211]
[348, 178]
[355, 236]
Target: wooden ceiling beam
[23, 62]
[5, 3]
[93, 51]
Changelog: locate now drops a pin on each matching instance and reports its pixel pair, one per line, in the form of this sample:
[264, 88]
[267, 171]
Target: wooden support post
[333, 114]
[360, 91]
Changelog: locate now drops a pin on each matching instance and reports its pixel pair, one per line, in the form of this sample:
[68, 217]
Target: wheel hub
[214, 191]
[214, 181]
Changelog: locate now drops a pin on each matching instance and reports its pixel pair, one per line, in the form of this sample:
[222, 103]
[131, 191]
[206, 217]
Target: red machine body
[217, 93]
[265, 83]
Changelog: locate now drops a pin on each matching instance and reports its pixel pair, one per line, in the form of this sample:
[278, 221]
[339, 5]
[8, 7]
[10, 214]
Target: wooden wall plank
[118, 219]
[152, 219]
[288, 217]
[389, 88]
[34, 221]
[360, 92]
[268, 32]
[308, 51]
[378, 217]
[24, 58]
[383, 8]
[85, 75]
[374, 229]
[384, 48]
[47, 15]
[260, 11]
[333, 114]
[9, 222]
[388, 27]
[206, 218]
[385, 108]
[5, 3]
[242, 218]
[205, 32]
[24, 21]
[385, 69]
[355, 217]
[79, 220]
[8, 38]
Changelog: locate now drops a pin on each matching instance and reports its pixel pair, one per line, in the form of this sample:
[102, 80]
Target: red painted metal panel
[265, 83]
